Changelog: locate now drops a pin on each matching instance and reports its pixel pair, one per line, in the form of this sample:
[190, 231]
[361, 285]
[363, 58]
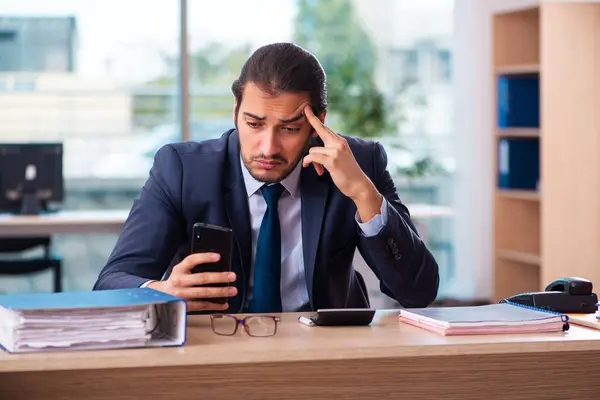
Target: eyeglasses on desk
[254, 325]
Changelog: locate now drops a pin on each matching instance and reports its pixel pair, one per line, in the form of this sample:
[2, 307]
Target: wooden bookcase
[553, 230]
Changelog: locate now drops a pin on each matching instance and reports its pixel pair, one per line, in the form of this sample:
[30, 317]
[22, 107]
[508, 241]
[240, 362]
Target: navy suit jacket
[202, 182]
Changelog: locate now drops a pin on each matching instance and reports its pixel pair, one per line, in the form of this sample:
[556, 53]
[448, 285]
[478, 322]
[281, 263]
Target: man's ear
[234, 108]
[322, 116]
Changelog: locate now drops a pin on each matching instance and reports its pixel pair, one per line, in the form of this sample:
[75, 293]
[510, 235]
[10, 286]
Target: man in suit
[299, 197]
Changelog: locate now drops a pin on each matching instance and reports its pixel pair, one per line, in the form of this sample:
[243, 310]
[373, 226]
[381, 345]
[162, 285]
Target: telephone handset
[564, 295]
[572, 285]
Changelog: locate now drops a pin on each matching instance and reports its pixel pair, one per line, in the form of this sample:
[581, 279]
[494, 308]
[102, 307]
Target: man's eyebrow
[254, 116]
[293, 119]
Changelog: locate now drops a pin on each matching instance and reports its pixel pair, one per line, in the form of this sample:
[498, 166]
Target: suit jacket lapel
[238, 213]
[314, 190]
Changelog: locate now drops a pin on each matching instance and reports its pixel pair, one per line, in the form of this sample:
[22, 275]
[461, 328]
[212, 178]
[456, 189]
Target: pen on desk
[306, 321]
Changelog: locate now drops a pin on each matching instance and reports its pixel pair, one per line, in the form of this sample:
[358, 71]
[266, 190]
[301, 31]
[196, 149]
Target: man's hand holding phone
[192, 287]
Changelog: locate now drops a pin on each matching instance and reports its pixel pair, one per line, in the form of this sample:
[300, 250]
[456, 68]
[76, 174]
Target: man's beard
[276, 157]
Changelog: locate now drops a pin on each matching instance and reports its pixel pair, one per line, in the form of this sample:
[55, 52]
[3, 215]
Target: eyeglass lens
[260, 326]
[224, 324]
[254, 326]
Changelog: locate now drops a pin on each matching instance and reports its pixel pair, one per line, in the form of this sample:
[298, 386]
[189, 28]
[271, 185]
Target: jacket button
[398, 256]
[390, 241]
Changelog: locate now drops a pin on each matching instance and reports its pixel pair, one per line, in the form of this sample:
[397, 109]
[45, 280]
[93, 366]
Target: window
[104, 78]
[7, 35]
[24, 86]
[369, 57]
[217, 52]
[445, 64]
[88, 75]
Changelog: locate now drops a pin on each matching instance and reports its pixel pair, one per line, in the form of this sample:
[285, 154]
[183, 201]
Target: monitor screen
[31, 176]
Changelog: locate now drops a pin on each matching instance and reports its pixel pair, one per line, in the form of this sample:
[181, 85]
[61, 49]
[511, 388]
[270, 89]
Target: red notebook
[487, 319]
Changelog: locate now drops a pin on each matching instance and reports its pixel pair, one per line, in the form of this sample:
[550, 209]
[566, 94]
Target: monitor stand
[30, 204]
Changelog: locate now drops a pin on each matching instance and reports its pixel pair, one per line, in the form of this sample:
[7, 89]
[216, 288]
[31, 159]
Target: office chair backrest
[363, 287]
[12, 245]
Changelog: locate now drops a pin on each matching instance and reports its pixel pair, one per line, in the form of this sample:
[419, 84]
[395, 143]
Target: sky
[124, 38]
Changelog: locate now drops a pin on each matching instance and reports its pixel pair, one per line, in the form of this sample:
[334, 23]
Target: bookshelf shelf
[518, 132]
[520, 257]
[529, 195]
[545, 128]
[518, 69]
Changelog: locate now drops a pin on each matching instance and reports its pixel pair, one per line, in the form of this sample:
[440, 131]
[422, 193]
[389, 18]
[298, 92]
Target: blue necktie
[266, 296]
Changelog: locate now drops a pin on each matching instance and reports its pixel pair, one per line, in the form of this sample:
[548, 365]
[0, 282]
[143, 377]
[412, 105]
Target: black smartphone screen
[343, 317]
[213, 239]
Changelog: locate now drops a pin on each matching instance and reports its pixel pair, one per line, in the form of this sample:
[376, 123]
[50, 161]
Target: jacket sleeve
[406, 269]
[153, 230]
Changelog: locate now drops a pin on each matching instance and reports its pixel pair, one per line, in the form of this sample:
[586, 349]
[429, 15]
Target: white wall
[474, 121]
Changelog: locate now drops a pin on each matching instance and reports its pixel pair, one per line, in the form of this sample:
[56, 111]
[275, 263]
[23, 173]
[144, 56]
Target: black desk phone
[565, 295]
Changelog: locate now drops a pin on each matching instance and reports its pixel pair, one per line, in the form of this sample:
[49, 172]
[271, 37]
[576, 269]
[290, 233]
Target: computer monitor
[31, 176]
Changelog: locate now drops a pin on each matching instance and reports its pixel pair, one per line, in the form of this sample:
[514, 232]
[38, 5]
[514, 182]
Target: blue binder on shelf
[518, 101]
[519, 163]
[106, 319]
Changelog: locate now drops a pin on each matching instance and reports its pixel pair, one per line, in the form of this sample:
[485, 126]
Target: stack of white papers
[92, 320]
[41, 329]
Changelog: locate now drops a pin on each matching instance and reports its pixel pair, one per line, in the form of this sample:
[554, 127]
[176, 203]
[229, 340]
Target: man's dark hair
[283, 67]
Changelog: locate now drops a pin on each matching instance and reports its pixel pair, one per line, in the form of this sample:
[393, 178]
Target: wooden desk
[63, 222]
[388, 359]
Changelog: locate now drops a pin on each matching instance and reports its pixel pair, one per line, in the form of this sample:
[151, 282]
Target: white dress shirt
[294, 290]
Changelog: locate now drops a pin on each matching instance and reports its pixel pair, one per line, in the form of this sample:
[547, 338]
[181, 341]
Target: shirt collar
[291, 183]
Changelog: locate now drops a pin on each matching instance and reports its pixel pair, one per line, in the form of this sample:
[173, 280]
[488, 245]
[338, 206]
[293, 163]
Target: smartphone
[213, 239]
[343, 317]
